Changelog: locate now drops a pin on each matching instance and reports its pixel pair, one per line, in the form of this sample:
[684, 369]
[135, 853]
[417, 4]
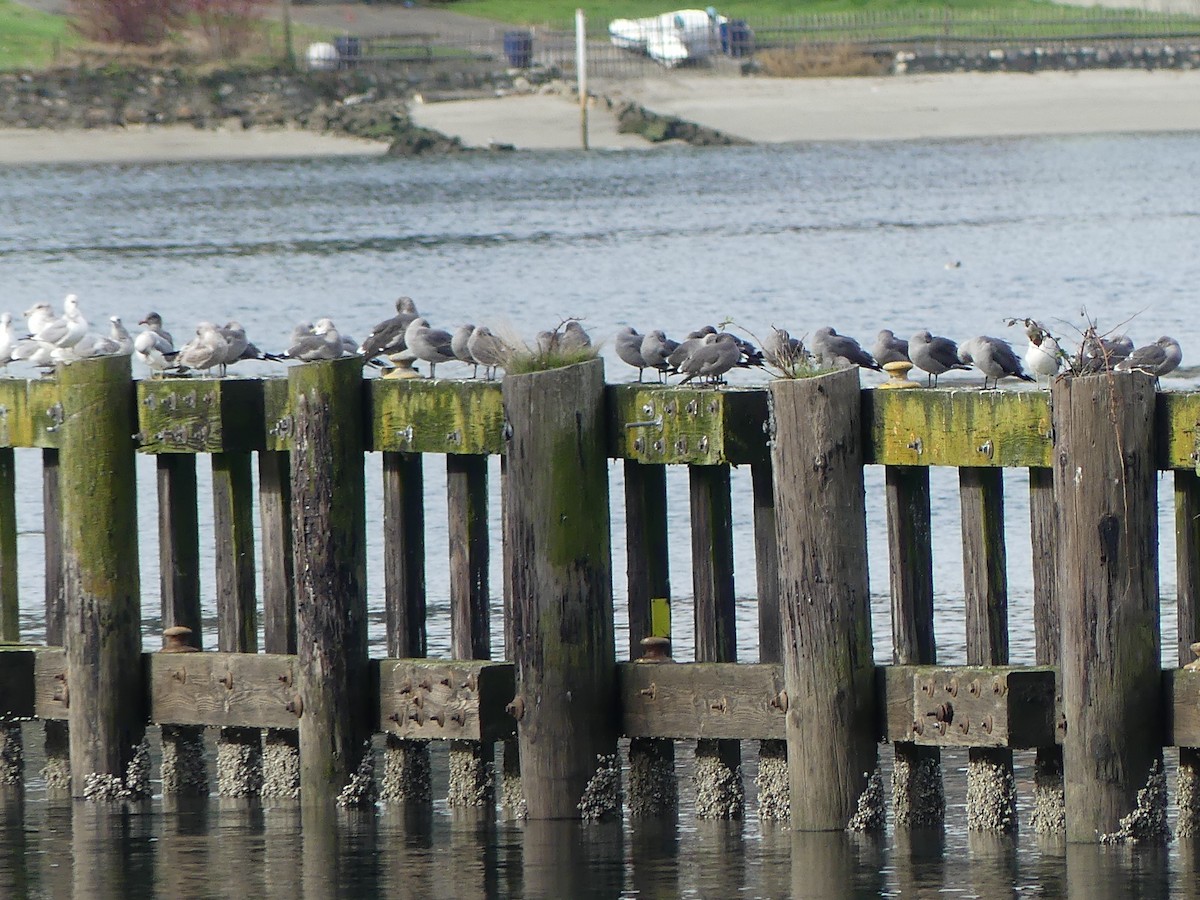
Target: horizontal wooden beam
[255, 690]
[1181, 688]
[30, 413]
[686, 701]
[51, 693]
[420, 416]
[447, 700]
[200, 415]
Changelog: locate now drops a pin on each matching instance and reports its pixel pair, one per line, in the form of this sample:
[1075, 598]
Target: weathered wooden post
[556, 511]
[58, 746]
[1187, 566]
[11, 748]
[1105, 488]
[406, 764]
[329, 546]
[1049, 814]
[820, 511]
[918, 795]
[772, 778]
[103, 598]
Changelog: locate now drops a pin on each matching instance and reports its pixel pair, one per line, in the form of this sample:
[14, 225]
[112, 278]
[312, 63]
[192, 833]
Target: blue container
[737, 39]
[518, 48]
[349, 50]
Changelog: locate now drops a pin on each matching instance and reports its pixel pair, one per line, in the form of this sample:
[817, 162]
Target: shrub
[140, 22]
[818, 61]
[229, 25]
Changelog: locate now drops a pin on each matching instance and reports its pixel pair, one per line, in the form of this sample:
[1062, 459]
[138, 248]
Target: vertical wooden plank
[1049, 813]
[99, 513]
[57, 742]
[512, 795]
[329, 545]
[556, 503]
[820, 510]
[184, 770]
[918, 795]
[772, 778]
[471, 783]
[10, 601]
[1187, 566]
[991, 788]
[653, 788]
[720, 793]
[1105, 485]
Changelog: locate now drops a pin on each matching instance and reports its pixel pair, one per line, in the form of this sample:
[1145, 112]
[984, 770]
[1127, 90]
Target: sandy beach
[757, 109]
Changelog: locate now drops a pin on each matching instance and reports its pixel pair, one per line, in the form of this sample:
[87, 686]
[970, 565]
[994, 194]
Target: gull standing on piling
[459, 344]
[1100, 354]
[993, 357]
[1043, 356]
[717, 355]
[64, 332]
[934, 355]
[205, 350]
[154, 323]
[155, 350]
[693, 341]
[628, 345]
[829, 347]
[656, 349]
[387, 338]
[574, 338]
[889, 348]
[782, 350]
[323, 342]
[488, 350]
[429, 345]
[8, 338]
[1156, 359]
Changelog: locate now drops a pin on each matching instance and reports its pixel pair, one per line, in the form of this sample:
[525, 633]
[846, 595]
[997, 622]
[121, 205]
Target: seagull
[717, 355]
[994, 358]
[889, 348]
[458, 344]
[1102, 354]
[1156, 359]
[628, 345]
[488, 350]
[205, 350]
[8, 338]
[120, 335]
[38, 317]
[934, 355]
[387, 338]
[574, 339]
[152, 348]
[547, 342]
[432, 346]
[782, 350]
[688, 346]
[154, 323]
[828, 347]
[656, 349]
[323, 342]
[65, 332]
[1043, 356]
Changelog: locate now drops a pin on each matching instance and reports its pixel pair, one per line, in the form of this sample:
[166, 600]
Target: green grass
[30, 39]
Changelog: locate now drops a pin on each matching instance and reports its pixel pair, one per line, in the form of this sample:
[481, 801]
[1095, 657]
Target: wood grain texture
[441, 700]
[32, 413]
[103, 595]
[275, 517]
[55, 595]
[233, 531]
[329, 544]
[404, 553]
[821, 523]
[647, 568]
[179, 544]
[690, 701]
[556, 512]
[1104, 483]
[444, 416]
[985, 574]
[200, 415]
[467, 511]
[1187, 563]
[232, 690]
[10, 601]
[766, 565]
[984, 706]
[51, 693]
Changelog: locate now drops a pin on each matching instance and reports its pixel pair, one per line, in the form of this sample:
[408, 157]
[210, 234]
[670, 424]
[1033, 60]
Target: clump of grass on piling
[546, 355]
[822, 61]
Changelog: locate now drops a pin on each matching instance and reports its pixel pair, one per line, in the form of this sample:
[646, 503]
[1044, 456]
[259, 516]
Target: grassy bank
[30, 39]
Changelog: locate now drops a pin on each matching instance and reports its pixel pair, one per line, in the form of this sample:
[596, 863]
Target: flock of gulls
[705, 355]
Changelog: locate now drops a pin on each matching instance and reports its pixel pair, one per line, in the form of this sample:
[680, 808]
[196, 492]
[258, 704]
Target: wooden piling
[719, 790]
[1049, 812]
[281, 746]
[991, 788]
[184, 771]
[918, 795]
[820, 512]
[11, 748]
[103, 598]
[329, 546]
[1104, 485]
[556, 511]
[1187, 563]
[653, 790]
[772, 778]
[471, 782]
[406, 764]
[57, 770]
[239, 750]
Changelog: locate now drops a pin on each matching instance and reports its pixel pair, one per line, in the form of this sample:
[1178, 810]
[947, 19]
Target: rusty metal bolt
[973, 688]
[458, 718]
[394, 717]
[296, 706]
[987, 724]
[721, 705]
[952, 687]
[918, 727]
[999, 687]
[944, 713]
[650, 692]
[175, 640]
[941, 727]
[227, 680]
[656, 649]
[927, 687]
[780, 701]
[964, 724]
[516, 708]
[472, 682]
[440, 718]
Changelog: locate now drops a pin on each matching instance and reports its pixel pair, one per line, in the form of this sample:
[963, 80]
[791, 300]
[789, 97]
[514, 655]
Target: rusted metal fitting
[516, 708]
[656, 649]
[296, 706]
[780, 701]
[175, 640]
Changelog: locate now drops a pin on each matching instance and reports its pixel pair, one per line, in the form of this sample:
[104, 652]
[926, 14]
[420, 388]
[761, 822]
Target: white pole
[581, 71]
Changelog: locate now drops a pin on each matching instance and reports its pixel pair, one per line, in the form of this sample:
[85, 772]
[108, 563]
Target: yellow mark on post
[660, 617]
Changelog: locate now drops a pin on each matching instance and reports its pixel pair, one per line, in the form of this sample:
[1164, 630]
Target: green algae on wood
[30, 413]
[421, 416]
[655, 423]
[200, 415]
[100, 551]
[957, 428]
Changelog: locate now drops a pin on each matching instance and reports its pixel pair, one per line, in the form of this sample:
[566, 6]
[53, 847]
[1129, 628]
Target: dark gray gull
[547, 342]
[1099, 354]
[432, 345]
[687, 346]
[717, 355]
[628, 345]
[459, 344]
[783, 351]
[205, 350]
[889, 348]
[573, 338]
[387, 338]
[993, 357]
[323, 342]
[488, 350]
[656, 350]
[829, 347]
[934, 355]
[1156, 359]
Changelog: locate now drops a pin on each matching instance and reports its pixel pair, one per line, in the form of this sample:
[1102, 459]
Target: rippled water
[860, 236]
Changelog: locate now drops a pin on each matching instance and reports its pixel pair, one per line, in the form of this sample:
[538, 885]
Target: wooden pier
[302, 715]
